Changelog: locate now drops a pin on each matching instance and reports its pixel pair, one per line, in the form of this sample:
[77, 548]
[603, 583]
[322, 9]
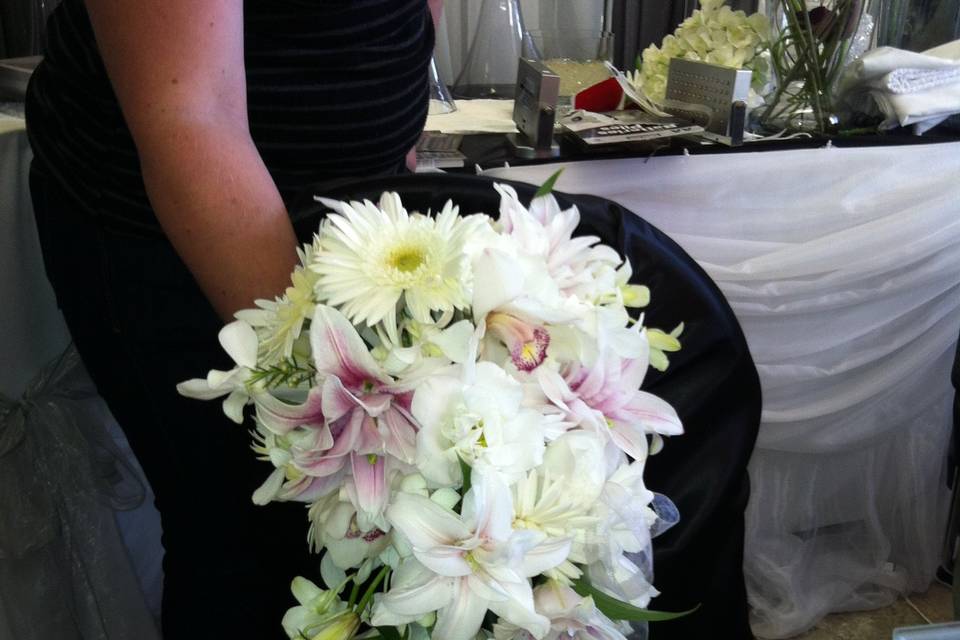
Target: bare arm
[177, 69]
[436, 10]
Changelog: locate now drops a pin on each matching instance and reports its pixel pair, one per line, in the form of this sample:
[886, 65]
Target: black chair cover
[712, 383]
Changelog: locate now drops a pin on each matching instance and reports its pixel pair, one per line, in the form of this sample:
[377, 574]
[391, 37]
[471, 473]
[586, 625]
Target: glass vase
[812, 42]
[499, 41]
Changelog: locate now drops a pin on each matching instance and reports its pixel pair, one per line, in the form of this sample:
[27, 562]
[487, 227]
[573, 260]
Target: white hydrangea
[715, 34]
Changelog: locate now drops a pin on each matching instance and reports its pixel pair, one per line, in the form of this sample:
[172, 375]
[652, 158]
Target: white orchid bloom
[482, 423]
[465, 565]
[572, 617]
[240, 342]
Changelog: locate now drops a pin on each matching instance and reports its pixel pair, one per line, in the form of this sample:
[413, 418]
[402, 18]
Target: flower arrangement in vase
[814, 45]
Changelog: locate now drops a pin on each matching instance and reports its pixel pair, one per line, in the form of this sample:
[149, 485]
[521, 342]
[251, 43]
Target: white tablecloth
[31, 328]
[32, 334]
[843, 267]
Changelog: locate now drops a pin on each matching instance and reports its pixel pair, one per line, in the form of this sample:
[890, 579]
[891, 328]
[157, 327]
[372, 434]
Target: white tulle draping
[843, 267]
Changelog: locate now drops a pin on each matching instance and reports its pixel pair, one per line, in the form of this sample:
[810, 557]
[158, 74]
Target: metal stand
[523, 148]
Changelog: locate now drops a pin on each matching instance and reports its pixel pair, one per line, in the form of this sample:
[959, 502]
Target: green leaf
[547, 186]
[465, 471]
[618, 610]
[388, 633]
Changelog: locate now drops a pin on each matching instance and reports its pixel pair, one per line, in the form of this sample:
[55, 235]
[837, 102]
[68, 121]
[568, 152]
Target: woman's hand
[177, 68]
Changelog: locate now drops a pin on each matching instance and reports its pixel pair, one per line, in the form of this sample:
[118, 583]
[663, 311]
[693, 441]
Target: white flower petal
[269, 488]
[416, 591]
[462, 617]
[339, 350]
[239, 340]
[425, 523]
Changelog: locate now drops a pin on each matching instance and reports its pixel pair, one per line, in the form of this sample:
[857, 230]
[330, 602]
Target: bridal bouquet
[457, 400]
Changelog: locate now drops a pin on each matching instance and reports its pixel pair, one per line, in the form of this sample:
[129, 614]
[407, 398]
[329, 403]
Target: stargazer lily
[369, 416]
[463, 566]
[607, 398]
[361, 415]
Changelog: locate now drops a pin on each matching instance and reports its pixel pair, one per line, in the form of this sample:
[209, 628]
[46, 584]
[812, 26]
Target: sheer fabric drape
[843, 267]
[77, 560]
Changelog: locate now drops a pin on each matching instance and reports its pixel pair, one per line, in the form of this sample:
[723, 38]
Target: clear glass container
[499, 41]
[576, 55]
[440, 99]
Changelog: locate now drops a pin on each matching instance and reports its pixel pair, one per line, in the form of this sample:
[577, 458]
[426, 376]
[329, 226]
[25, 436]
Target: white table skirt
[843, 267]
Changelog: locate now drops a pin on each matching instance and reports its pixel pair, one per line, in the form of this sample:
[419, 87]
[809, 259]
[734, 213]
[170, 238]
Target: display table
[843, 267]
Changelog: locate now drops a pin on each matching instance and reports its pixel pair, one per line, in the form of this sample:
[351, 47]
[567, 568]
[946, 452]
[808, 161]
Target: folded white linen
[909, 87]
[475, 116]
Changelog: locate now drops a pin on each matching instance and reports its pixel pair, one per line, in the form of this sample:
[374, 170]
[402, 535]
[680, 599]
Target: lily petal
[239, 340]
[368, 475]
[461, 619]
[425, 523]
[545, 556]
[496, 281]
[656, 414]
[416, 591]
[339, 350]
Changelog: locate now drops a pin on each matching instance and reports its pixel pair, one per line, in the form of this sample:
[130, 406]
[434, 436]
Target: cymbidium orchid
[348, 537]
[463, 566]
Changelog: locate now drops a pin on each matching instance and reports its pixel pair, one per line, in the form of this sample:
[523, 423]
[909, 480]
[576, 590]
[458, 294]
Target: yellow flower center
[472, 561]
[406, 258]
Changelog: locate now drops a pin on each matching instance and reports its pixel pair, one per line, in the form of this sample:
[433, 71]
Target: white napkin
[922, 89]
[475, 116]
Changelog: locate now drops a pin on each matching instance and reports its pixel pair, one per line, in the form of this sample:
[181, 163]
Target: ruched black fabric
[712, 382]
[334, 88]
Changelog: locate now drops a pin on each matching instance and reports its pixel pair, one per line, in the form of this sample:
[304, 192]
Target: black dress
[336, 88]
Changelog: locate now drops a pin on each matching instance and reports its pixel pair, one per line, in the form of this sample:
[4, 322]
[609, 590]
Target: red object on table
[603, 96]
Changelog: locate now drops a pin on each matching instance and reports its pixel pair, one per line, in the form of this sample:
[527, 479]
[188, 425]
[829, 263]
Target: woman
[168, 135]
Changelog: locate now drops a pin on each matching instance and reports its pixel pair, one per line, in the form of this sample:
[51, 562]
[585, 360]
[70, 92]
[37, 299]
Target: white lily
[463, 566]
[606, 398]
[546, 231]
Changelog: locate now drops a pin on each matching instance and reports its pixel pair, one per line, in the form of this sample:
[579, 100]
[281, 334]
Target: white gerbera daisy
[373, 255]
[279, 322]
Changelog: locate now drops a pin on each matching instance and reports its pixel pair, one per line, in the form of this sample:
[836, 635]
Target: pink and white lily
[361, 416]
[606, 397]
[463, 566]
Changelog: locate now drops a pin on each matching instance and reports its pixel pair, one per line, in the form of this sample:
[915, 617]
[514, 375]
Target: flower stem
[354, 592]
[365, 600]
